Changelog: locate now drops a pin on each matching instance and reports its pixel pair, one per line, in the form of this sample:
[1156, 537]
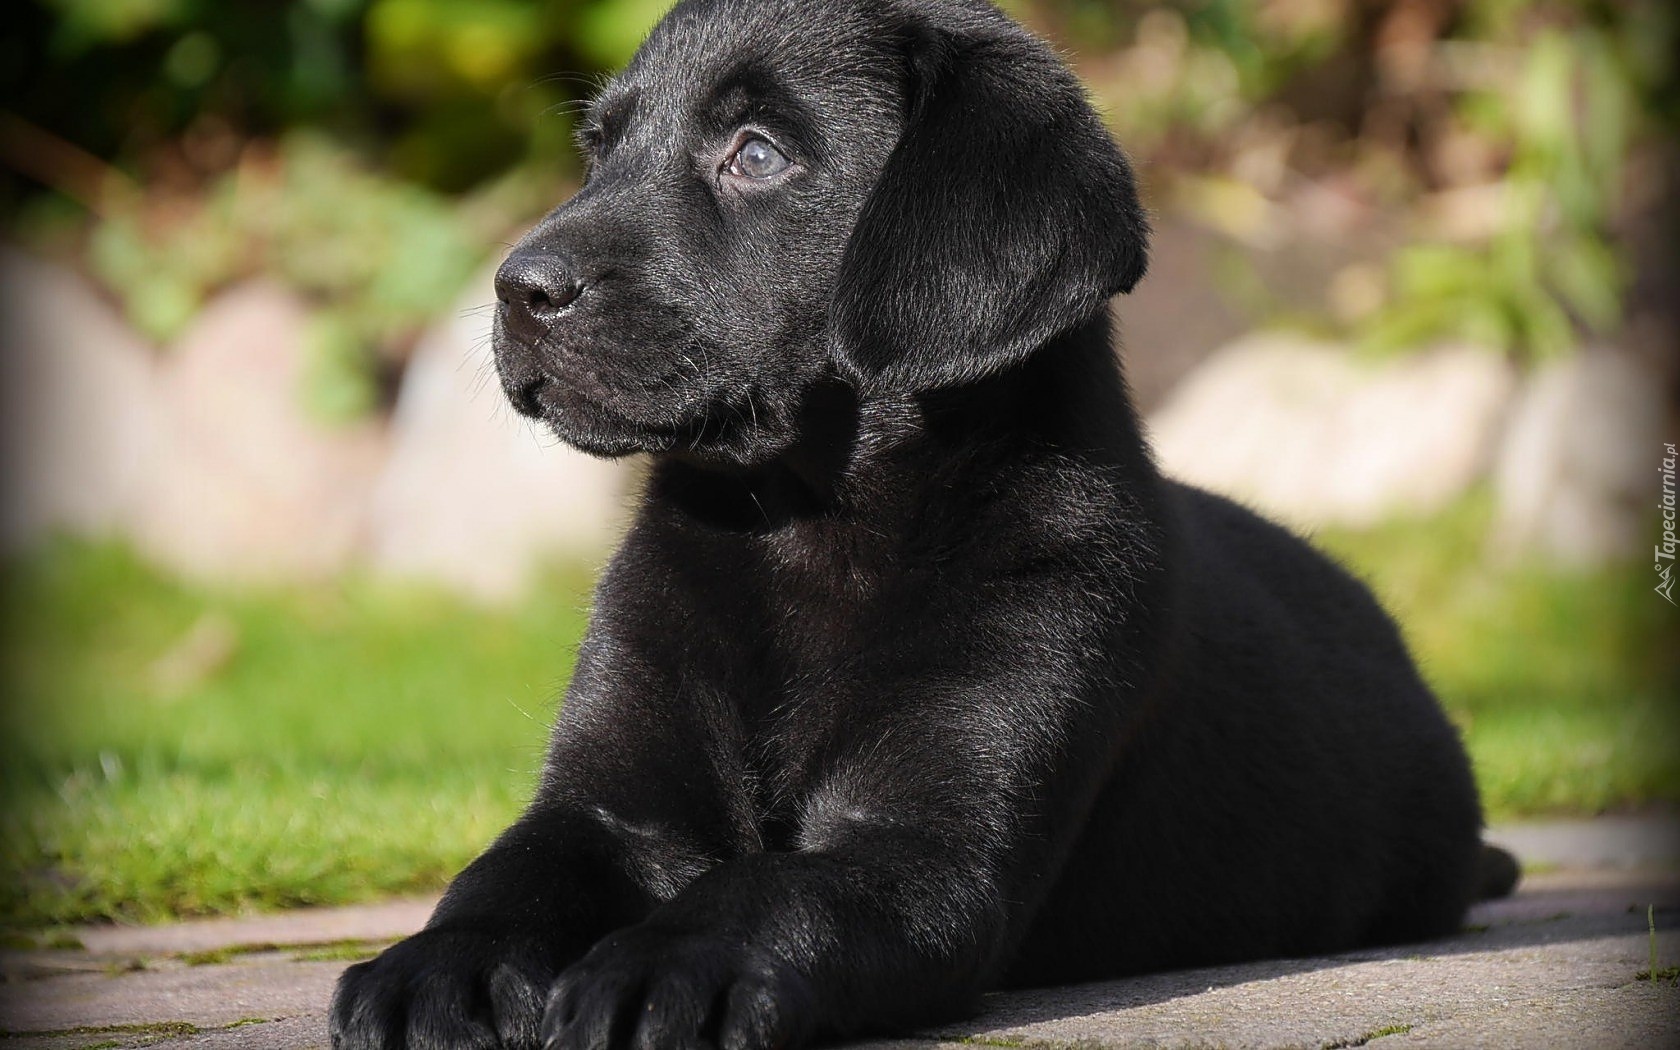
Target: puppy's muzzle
[534, 289]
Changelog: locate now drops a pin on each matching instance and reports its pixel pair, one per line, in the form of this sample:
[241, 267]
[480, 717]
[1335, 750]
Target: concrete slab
[1560, 957]
[1554, 966]
[385, 921]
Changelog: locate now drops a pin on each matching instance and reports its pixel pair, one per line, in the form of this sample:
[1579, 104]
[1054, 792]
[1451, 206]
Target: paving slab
[385, 921]
[1553, 966]
[1560, 959]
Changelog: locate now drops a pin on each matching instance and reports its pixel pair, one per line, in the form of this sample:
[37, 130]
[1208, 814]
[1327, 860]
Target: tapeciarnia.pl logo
[1664, 551]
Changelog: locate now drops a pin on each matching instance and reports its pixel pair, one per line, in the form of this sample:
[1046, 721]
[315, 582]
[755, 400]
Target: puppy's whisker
[564, 107]
[593, 82]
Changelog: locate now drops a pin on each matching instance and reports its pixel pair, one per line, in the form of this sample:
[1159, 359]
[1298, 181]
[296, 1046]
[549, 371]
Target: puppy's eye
[758, 159]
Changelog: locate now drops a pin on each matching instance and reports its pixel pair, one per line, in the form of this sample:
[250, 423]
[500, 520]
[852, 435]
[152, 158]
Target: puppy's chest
[842, 625]
[836, 596]
[815, 718]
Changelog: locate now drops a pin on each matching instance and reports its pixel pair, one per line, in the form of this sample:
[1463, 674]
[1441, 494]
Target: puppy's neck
[1068, 398]
[863, 452]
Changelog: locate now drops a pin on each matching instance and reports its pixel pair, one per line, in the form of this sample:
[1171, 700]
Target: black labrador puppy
[913, 677]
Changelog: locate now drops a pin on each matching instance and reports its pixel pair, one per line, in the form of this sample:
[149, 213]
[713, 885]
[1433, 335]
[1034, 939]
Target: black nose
[535, 287]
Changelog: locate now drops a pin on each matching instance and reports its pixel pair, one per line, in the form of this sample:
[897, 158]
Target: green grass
[350, 742]
[1653, 972]
[1566, 684]
[172, 750]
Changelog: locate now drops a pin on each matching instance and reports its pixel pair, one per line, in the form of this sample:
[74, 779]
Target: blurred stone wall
[202, 454]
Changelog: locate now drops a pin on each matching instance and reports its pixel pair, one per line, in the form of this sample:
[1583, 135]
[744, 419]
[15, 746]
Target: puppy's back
[1295, 788]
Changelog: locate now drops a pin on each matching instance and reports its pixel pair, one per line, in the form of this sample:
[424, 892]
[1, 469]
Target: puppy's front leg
[913, 868]
[769, 951]
[629, 809]
[477, 975]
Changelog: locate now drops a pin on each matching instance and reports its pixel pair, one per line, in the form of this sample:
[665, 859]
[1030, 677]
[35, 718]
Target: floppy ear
[1004, 216]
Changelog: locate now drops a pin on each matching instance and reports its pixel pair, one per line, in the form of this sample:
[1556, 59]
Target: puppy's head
[909, 195]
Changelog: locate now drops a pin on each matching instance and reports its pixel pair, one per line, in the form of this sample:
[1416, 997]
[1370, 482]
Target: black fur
[912, 678]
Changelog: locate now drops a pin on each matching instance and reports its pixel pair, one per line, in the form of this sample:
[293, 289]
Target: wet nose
[534, 288]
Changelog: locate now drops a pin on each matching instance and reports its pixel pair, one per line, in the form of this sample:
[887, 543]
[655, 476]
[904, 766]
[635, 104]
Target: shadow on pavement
[1547, 909]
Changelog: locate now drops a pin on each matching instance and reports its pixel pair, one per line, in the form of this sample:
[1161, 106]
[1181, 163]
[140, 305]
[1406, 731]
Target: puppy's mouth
[597, 397]
[592, 417]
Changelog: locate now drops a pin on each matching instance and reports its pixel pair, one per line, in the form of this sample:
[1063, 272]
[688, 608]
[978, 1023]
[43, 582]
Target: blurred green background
[1497, 171]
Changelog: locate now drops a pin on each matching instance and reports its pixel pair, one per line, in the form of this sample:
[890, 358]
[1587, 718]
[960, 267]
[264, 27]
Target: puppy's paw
[461, 989]
[648, 989]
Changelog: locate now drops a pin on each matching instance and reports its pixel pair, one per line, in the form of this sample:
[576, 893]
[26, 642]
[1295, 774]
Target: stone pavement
[1554, 966]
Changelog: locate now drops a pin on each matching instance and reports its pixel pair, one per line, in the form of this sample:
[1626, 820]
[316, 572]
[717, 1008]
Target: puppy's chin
[591, 427]
[703, 426]
[715, 435]
[602, 442]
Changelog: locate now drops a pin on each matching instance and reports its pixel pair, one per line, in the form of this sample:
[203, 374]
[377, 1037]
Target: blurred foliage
[369, 153]
[447, 93]
[1506, 140]
[1567, 115]
[376, 257]
[1502, 130]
